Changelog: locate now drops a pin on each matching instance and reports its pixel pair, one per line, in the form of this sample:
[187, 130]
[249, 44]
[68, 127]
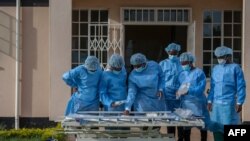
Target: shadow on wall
[28, 51]
[29, 60]
[8, 34]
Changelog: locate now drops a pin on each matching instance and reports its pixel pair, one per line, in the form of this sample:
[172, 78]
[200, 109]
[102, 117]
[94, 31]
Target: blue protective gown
[228, 88]
[171, 70]
[113, 88]
[70, 105]
[87, 97]
[195, 99]
[143, 87]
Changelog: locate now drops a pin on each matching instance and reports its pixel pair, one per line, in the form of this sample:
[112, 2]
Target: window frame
[222, 37]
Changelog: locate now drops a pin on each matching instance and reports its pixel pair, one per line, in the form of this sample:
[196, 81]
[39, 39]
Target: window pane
[126, 15]
[166, 15]
[237, 57]
[228, 17]
[75, 56]
[207, 17]
[228, 30]
[145, 15]
[75, 15]
[216, 42]
[207, 30]
[104, 16]
[84, 29]
[74, 42]
[105, 30]
[84, 15]
[237, 16]
[217, 30]
[104, 56]
[216, 17]
[215, 61]
[228, 42]
[186, 15]
[84, 43]
[92, 30]
[237, 44]
[160, 15]
[92, 38]
[94, 16]
[139, 15]
[207, 70]
[207, 44]
[152, 15]
[75, 29]
[74, 65]
[173, 15]
[83, 56]
[179, 15]
[132, 15]
[237, 30]
[92, 52]
[207, 58]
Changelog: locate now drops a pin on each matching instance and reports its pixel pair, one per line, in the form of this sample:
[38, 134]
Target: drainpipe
[17, 65]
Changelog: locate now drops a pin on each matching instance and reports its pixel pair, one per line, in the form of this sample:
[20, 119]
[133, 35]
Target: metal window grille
[132, 15]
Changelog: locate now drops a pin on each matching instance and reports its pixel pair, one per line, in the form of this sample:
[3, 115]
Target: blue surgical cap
[138, 59]
[187, 56]
[173, 46]
[116, 61]
[223, 50]
[91, 63]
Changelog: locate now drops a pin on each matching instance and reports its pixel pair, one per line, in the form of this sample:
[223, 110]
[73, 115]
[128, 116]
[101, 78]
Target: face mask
[140, 69]
[186, 67]
[221, 61]
[91, 72]
[116, 72]
[172, 57]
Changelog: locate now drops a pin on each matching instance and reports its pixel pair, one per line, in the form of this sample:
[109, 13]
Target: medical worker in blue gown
[227, 93]
[113, 87]
[192, 86]
[145, 86]
[85, 78]
[171, 68]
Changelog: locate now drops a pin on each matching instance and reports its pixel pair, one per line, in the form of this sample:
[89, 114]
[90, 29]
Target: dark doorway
[152, 40]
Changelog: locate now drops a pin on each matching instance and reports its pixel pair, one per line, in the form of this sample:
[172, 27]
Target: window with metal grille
[221, 28]
[82, 32]
[156, 15]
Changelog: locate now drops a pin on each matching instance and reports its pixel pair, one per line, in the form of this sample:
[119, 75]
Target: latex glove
[117, 103]
[183, 89]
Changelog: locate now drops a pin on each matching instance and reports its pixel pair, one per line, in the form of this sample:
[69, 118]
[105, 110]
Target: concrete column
[246, 56]
[60, 55]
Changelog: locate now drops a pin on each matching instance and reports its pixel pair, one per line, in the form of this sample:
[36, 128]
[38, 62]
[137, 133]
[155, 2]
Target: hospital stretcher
[111, 126]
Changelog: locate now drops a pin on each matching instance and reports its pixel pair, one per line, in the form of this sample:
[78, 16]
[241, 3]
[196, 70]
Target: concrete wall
[60, 55]
[35, 62]
[246, 57]
[34, 74]
[7, 61]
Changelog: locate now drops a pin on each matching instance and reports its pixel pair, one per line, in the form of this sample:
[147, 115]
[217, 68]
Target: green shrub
[42, 134]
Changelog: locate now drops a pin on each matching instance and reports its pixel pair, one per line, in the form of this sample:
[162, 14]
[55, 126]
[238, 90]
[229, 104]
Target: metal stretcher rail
[101, 125]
